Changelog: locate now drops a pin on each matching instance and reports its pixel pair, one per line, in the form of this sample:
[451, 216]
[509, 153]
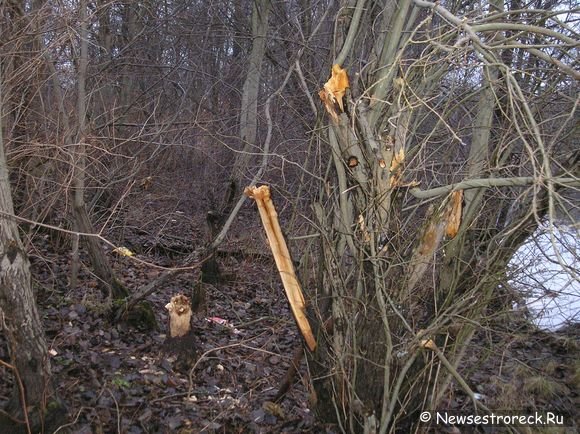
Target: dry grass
[508, 395]
[551, 367]
[576, 375]
[544, 387]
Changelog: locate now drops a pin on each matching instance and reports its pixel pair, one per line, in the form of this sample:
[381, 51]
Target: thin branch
[500, 26]
[22, 394]
[520, 181]
[551, 59]
[352, 32]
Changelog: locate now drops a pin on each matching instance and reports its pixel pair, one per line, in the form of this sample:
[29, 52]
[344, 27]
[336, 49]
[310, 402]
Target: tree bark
[251, 90]
[101, 266]
[403, 294]
[34, 404]
[248, 135]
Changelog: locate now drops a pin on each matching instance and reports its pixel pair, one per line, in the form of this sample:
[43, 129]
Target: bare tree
[250, 91]
[82, 220]
[34, 406]
[415, 236]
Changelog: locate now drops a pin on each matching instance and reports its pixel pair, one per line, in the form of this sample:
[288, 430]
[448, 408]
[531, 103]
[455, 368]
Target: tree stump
[180, 340]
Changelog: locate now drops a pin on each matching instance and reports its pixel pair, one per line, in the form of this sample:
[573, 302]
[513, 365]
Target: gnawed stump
[180, 341]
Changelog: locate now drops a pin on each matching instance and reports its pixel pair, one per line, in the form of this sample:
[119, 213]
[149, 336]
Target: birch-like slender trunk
[248, 136]
[251, 91]
[82, 222]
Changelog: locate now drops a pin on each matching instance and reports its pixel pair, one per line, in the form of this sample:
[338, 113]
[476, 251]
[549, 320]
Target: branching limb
[520, 181]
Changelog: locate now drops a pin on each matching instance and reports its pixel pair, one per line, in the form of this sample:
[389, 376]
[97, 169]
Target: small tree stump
[180, 340]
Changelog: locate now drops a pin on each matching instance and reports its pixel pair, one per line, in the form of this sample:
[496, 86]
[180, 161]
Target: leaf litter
[116, 378]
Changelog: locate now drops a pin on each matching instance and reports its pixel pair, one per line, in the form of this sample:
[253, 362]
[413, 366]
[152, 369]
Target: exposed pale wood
[454, 220]
[283, 260]
[180, 341]
[179, 315]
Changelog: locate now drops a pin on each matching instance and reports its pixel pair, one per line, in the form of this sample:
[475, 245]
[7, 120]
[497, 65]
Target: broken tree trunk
[179, 316]
[283, 260]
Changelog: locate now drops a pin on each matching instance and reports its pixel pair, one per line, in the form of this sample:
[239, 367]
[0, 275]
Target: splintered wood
[283, 261]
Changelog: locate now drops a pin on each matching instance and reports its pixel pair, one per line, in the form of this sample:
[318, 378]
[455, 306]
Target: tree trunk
[404, 292]
[248, 134]
[34, 404]
[251, 90]
[82, 223]
[109, 284]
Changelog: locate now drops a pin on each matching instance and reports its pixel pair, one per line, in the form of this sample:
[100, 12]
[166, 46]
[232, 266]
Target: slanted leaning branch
[283, 261]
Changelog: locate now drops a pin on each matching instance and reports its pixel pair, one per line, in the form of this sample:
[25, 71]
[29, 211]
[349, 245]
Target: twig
[203, 356]
[118, 411]
[458, 377]
[75, 420]
[22, 394]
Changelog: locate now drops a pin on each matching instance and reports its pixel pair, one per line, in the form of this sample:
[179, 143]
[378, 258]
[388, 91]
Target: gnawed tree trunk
[180, 340]
[34, 406]
[404, 283]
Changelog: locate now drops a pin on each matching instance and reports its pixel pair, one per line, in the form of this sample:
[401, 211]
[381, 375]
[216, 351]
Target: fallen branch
[429, 344]
[130, 302]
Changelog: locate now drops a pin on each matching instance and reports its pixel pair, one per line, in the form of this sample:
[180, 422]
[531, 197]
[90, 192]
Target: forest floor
[115, 378]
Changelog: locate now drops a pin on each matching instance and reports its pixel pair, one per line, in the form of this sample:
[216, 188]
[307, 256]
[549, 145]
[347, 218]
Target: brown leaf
[274, 409]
